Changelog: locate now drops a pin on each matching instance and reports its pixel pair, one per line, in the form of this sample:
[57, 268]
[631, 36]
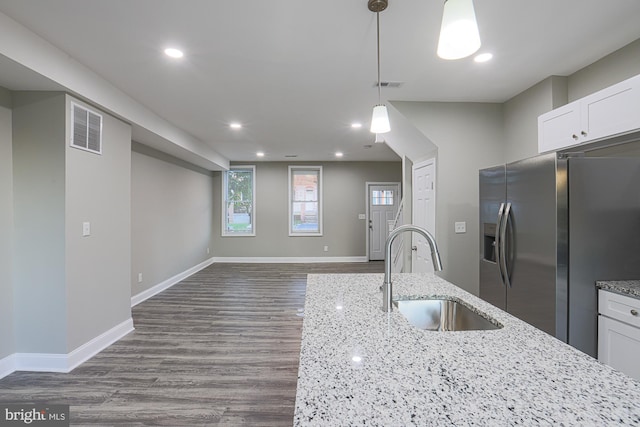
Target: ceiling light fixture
[260, 154]
[356, 125]
[380, 116]
[459, 36]
[173, 52]
[235, 125]
[339, 154]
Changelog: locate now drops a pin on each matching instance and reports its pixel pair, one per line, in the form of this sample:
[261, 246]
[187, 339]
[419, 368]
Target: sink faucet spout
[387, 286]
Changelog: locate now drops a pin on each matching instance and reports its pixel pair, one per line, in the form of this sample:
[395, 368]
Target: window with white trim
[239, 203]
[305, 200]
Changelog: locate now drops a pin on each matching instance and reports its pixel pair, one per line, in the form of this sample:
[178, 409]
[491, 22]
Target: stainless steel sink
[442, 314]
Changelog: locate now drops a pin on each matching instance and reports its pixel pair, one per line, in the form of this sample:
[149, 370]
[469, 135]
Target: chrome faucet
[387, 286]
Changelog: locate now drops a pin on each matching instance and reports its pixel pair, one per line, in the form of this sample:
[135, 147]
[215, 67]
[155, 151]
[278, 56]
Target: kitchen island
[361, 366]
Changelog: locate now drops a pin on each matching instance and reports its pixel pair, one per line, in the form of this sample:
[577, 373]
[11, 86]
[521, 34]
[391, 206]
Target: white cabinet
[619, 332]
[611, 111]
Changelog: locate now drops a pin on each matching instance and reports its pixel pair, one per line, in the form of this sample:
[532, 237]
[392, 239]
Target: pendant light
[459, 36]
[380, 116]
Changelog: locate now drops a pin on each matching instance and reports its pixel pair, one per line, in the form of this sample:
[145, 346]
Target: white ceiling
[296, 73]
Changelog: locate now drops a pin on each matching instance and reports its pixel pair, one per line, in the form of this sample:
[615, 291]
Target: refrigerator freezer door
[604, 236]
[531, 241]
[492, 196]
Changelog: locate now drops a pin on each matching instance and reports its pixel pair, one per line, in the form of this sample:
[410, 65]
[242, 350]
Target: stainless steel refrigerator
[550, 227]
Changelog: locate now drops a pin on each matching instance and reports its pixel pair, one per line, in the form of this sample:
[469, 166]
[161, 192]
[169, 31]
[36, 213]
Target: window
[239, 205]
[382, 197]
[305, 200]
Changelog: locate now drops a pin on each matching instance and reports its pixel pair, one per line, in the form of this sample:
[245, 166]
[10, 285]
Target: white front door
[383, 205]
[424, 214]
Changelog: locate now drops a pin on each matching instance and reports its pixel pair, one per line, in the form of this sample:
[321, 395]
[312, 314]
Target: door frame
[414, 167]
[367, 186]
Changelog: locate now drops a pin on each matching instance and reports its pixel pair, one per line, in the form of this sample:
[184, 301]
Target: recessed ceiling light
[357, 359]
[339, 154]
[483, 57]
[356, 125]
[173, 52]
[260, 154]
[235, 125]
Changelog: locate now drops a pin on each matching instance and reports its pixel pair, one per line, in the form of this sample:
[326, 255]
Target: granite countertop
[626, 287]
[361, 366]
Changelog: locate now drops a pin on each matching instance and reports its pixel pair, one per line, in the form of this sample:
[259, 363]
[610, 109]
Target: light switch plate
[362, 216]
[86, 229]
[461, 227]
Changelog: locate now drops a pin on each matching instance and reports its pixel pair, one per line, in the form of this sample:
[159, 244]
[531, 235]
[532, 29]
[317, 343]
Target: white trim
[47, 362]
[89, 349]
[223, 229]
[146, 294]
[7, 365]
[290, 260]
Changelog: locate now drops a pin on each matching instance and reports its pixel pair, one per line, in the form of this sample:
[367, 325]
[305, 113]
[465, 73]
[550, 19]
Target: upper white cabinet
[609, 112]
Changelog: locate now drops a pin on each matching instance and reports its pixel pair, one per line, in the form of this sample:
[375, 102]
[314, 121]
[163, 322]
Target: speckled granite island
[360, 366]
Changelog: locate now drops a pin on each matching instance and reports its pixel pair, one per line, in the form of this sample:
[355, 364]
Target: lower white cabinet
[619, 332]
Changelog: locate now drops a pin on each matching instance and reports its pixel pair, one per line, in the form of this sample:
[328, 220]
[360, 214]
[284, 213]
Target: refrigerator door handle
[498, 242]
[503, 244]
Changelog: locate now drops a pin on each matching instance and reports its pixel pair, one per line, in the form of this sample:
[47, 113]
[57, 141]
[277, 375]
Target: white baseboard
[7, 365]
[43, 362]
[145, 295]
[87, 350]
[290, 260]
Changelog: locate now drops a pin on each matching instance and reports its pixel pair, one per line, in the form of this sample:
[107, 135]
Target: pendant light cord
[378, 44]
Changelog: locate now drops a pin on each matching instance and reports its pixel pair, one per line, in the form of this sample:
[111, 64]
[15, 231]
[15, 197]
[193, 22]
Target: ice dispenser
[489, 242]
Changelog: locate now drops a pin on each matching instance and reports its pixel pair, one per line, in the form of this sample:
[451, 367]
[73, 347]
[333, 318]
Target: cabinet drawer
[619, 307]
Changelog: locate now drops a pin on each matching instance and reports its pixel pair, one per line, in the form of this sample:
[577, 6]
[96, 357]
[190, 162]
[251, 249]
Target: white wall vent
[86, 129]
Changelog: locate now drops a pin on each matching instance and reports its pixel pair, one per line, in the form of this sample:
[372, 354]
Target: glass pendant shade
[380, 120]
[459, 36]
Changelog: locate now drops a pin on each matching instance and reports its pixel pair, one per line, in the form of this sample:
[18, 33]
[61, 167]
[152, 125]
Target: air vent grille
[86, 131]
[388, 84]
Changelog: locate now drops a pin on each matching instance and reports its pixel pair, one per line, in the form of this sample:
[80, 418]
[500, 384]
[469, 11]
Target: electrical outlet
[362, 216]
[326, 248]
[86, 229]
[139, 277]
[461, 227]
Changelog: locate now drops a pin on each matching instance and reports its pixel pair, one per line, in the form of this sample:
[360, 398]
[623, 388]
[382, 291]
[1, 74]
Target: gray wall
[171, 216]
[521, 116]
[98, 190]
[344, 198]
[613, 68]
[68, 289]
[6, 227]
[469, 137]
[40, 303]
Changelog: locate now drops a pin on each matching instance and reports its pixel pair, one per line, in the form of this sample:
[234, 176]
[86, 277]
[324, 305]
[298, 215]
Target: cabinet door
[619, 346]
[558, 129]
[611, 111]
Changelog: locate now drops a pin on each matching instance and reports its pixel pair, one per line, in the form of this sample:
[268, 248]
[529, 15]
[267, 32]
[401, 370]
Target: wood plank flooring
[220, 348]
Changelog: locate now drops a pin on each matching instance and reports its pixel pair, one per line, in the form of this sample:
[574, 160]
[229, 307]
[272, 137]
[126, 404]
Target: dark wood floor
[220, 348]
